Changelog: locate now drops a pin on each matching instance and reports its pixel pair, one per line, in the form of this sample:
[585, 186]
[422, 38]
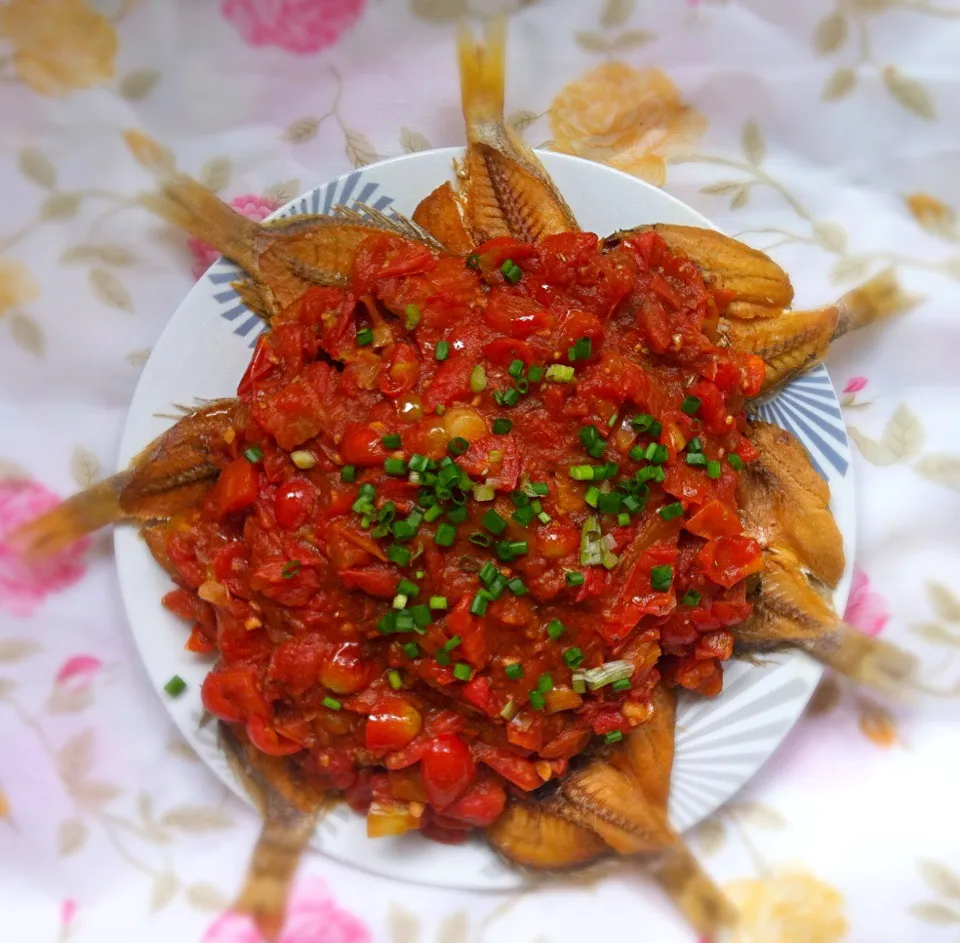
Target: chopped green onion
[511, 271]
[515, 369]
[635, 503]
[669, 511]
[591, 553]
[535, 373]
[478, 606]
[483, 492]
[494, 522]
[175, 686]
[691, 597]
[545, 683]
[290, 569]
[651, 473]
[421, 616]
[441, 658]
[622, 685]
[623, 519]
[555, 629]
[524, 516]
[452, 643]
[695, 445]
[364, 337]
[581, 472]
[456, 446]
[442, 350]
[445, 536]
[392, 441]
[690, 405]
[509, 710]
[400, 601]
[544, 518]
[642, 422]
[614, 736]
[607, 673]
[408, 589]
[574, 578]
[457, 515]
[610, 503]
[558, 373]
[522, 386]
[589, 436]
[478, 379]
[418, 463]
[473, 261]
[638, 453]
[517, 586]
[518, 548]
[411, 317]
[394, 466]
[736, 463]
[432, 513]
[581, 350]
[696, 458]
[488, 573]
[253, 454]
[332, 703]
[348, 473]
[714, 469]
[573, 657]
[480, 539]
[661, 577]
[411, 650]
[507, 397]
[539, 488]
[399, 555]
[537, 700]
[612, 421]
[462, 671]
[579, 685]
[502, 426]
[393, 676]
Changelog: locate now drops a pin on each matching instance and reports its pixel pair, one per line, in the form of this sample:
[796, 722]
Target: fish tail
[482, 74]
[693, 891]
[877, 299]
[266, 887]
[190, 206]
[865, 660]
[74, 518]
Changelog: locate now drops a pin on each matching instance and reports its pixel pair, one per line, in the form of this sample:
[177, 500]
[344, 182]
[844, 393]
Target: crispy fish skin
[291, 808]
[283, 258]
[785, 507]
[170, 476]
[725, 264]
[504, 189]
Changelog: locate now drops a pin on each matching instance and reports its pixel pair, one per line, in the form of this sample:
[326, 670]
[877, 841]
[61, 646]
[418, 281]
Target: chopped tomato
[714, 519]
[393, 723]
[447, 769]
[727, 560]
[266, 739]
[400, 370]
[236, 488]
[233, 694]
[294, 503]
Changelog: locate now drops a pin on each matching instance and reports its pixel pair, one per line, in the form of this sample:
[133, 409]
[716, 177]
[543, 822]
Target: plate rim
[129, 439]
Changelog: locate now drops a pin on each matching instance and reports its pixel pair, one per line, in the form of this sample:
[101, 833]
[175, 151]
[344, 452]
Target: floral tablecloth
[824, 131]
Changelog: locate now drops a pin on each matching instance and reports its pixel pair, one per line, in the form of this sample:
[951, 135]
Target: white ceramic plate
[721, 743]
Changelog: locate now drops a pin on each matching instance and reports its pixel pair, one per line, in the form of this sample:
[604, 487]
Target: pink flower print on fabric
[301, 26]
[23, 585]
[78, 672]
[866, 609]
[855, 384]
[313, 917]
[250, 205]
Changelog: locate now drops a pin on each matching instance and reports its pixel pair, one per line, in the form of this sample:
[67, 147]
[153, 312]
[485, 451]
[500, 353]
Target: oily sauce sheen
[454, 492]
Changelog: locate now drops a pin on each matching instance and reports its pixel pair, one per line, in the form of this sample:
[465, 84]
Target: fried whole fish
[784, 506]
[291, 806]
[616, 803]
[503, 188]
[283, 258]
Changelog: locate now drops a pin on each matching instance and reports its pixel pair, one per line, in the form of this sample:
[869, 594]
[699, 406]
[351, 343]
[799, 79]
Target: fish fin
[189, 205]
[693, 891]
[649, 749]
[505, 189]
[72, 519]
[534, 834]
[869, 661]
[401, 225]
[877, 299]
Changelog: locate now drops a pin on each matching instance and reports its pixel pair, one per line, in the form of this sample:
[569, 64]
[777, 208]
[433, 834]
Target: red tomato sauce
[471, 514]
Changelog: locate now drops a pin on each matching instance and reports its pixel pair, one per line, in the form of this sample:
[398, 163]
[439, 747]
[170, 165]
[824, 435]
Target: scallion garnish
[462, 671]
[348, 473]
[537, 700]
[614, 736]
[661, 577]
[332, 703]
[253, 454]
[736, 463]
[581, 349]
[392, 441]
[690, 405]
[411, 650]
[411, 317]
[438, 602]
[669, 511]
[574, 578]
[691, 597]
[393, 676]
[502, 426]
[514, 671]
[558, 373]
[478, 379]
[555, 629]
[494, 522]
[290, 569]
[364, 337]
[573, 657]
[445, 536]
[442, 350]
[175, 686]
[714, 469]
[456, 446]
